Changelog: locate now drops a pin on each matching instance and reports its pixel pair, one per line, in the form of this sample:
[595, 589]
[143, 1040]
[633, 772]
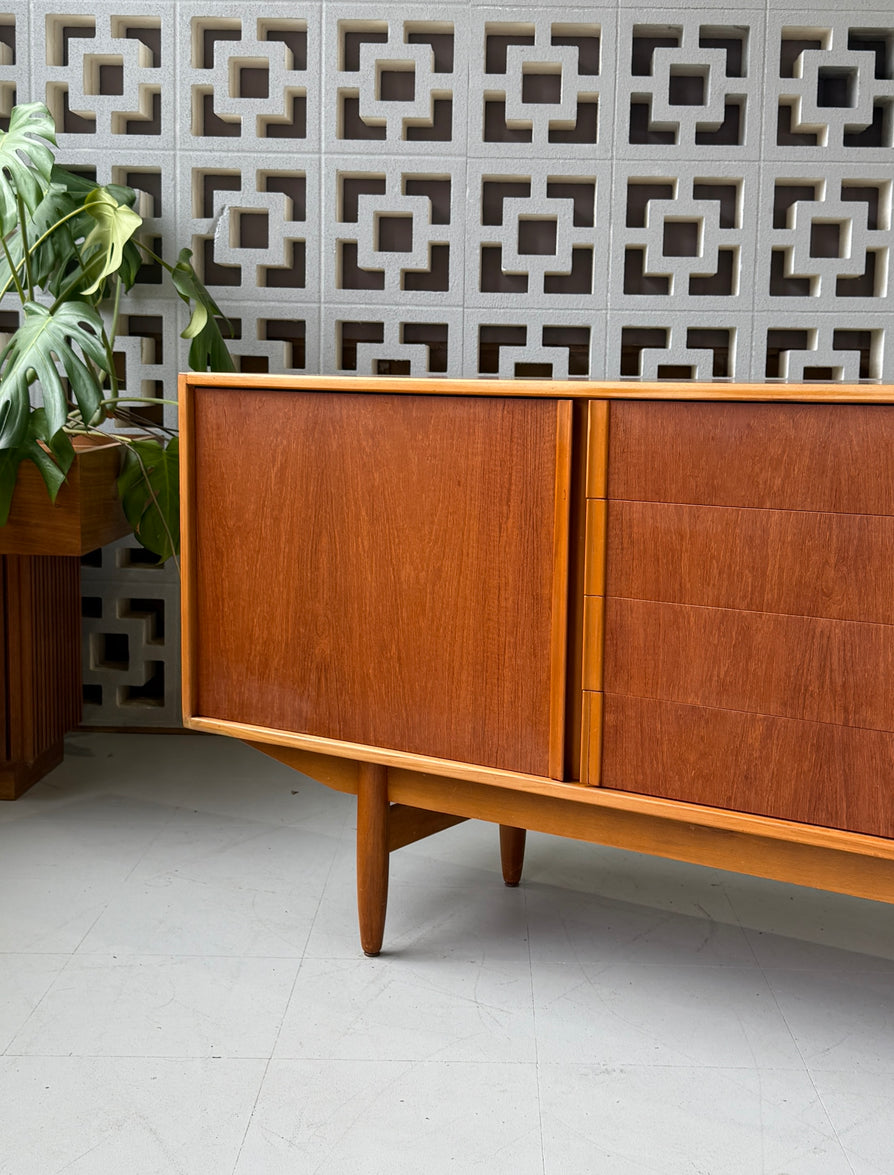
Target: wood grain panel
[814, 772]
[396, 576]
[792, 666]
[833, 458]
[86, 514]
[839, 566]
[40, 664]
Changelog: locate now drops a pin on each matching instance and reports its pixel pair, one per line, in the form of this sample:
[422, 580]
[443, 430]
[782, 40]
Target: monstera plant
[70, 249]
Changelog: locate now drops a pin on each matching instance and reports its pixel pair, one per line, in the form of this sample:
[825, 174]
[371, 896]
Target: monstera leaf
[149, 488]
[104, 247]
[207, 351]
[43, 337]
[26, 160]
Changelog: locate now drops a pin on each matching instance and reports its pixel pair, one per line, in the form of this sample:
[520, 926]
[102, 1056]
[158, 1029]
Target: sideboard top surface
[831, 393]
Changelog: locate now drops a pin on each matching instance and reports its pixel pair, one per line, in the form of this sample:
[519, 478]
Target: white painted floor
[182, 991]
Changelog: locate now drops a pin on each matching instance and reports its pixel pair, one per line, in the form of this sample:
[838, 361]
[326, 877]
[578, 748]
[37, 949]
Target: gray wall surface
[598, 192]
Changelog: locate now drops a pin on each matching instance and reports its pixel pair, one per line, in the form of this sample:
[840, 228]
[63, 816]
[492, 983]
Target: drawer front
[749, 608]
[796, 563]
[814, 772]
[791, 666]
[829, 457]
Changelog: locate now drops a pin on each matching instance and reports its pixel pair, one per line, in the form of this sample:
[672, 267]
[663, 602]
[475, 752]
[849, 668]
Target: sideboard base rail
[398, 806]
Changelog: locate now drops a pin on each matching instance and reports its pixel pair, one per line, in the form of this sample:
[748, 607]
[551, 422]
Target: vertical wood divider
[186, 415]
[594, 592]
[559, 634]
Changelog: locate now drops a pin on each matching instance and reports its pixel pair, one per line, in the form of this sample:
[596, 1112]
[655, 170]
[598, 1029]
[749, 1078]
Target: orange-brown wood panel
[86, 514]
[839, 566]
[828, 457]
[41, 670]
[835, 776]
[793, 666]
[396, 576]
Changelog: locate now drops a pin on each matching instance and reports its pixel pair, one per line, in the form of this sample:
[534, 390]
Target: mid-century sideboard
[658, 616]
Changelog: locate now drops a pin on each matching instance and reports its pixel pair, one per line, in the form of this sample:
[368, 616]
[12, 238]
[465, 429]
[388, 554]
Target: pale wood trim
[597, 449]
[186, 415]
[844, 393]
[591, 750]
[440, 776]
[795, 853]
[594, 642]
[561, 555]
[594, 547]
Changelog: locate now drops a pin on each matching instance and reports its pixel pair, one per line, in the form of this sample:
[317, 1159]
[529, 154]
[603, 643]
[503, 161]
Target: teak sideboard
[658, 616]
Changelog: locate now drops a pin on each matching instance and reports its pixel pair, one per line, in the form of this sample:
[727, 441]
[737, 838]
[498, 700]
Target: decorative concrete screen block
[594, 192]
[536, 236]
[829, 239]
[394, 233]
[14, 57]
[830, 86]
[131, 652]
[399, 79]
[803, 346]
[688, 236]
[414, 343]
[107, 75]
[691, 88]
[252, 75]
[253, 228]
[538, 86]
[655, 345]
[536, 344]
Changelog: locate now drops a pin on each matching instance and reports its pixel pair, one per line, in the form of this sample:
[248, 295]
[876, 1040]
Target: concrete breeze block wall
[608, 191]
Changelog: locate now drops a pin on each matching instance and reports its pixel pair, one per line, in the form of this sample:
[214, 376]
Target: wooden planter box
[40, 612]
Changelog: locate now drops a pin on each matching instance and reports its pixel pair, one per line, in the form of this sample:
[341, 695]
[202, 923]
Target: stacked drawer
[749, 608]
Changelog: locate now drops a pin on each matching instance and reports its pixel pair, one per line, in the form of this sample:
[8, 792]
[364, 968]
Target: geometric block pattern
[533, 234]
[608, 192]
[832, 85]
[538, 86]
[690, 88]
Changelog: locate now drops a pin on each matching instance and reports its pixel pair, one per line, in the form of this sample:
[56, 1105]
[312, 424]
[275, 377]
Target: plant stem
[14, 280]
[14, 277]
[26, 252]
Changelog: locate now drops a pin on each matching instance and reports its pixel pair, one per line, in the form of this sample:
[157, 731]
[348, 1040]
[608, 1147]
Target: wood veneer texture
[86, 514]
[833, 776]
[839, 566]
[793, 666]
[40, 665]
[396, 577]
[828, 457]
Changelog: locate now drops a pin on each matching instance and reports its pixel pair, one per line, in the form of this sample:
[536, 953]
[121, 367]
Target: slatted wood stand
[40, 609]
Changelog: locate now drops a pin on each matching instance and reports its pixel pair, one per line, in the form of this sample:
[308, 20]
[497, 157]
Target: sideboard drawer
[772, 456]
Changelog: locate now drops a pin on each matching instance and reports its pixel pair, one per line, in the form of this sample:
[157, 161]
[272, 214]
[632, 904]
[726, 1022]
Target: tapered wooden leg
[512, 853]
[372, 855]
